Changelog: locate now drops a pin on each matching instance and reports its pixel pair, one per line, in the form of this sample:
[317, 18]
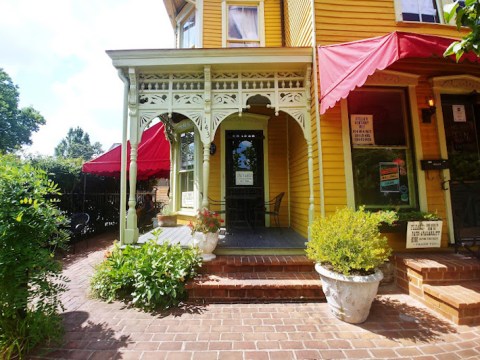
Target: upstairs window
[243, 23]
[188, 32]
[425, 11]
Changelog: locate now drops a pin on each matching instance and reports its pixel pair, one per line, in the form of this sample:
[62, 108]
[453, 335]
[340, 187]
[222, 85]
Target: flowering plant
[206, 221]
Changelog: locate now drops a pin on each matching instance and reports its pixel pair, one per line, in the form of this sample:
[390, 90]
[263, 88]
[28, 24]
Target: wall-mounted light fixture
[428, 112]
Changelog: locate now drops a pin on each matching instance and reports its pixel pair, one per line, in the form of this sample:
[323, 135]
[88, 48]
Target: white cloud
[55, 51]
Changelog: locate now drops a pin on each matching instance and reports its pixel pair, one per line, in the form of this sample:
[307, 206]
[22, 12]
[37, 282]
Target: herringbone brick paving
[398, 327]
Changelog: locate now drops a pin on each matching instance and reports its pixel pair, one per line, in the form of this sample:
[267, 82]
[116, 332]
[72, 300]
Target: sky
[54, 50]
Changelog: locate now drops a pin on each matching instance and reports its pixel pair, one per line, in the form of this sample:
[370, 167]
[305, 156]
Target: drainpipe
[317, 112]
[123, 170]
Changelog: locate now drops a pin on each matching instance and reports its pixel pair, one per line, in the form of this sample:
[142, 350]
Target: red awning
[345, 66]
[153, 157]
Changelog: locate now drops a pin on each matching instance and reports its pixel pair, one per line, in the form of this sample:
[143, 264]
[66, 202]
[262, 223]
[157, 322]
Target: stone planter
[167, 220]
[206, 242]
[349, 297]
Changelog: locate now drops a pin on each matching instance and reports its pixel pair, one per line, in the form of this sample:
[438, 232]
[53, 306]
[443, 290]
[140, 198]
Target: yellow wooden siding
[299, 185]
[350, 20]
[277, 158]
[212, 23]
[273, 23]
[298, 23]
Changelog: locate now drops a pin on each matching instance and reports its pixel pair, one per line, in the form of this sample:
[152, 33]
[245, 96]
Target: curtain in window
[424, 7]
[243, 23]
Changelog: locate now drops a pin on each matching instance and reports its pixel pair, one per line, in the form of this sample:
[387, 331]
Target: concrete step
[258, 263]
[256, 286]
[458, 302]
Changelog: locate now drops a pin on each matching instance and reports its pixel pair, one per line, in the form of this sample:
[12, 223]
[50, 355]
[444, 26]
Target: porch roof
[343, 67]
[242, 59]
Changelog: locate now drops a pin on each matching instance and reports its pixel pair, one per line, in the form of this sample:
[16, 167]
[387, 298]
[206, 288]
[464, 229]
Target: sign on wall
[187, 199]
[362, 129]
[459, 114]
[424, 234]
[389, 177]
[243, 177]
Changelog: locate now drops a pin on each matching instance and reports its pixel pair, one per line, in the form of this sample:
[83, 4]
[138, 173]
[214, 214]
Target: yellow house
[243, 100]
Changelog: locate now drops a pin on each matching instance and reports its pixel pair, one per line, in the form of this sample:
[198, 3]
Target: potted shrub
[348, 248]
[205, 231]
[167, 218]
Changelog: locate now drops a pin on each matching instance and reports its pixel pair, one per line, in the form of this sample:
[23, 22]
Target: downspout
[123, 170]
[317, 112]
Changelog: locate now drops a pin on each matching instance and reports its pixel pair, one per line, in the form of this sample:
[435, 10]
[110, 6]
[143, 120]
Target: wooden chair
[274, 206]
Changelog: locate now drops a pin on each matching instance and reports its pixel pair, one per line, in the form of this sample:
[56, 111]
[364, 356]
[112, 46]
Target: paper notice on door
[362, 129]
[459, 114]
[243, 177]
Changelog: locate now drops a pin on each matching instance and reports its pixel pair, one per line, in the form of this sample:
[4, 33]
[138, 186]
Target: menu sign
[424, 234]
[362, 129]
[389, 177]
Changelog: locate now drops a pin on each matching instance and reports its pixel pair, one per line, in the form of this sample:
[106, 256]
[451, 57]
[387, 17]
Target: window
[243, 24]
[187, 169]
[382, 157]
[188, 31]
[427, 11]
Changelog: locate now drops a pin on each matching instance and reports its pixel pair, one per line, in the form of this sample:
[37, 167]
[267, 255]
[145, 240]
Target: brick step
[458, 302]
[256, 286]
[438, 268]
[258, 263]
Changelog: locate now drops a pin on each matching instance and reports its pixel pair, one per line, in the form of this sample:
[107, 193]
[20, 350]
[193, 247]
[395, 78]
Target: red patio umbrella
[153, 157]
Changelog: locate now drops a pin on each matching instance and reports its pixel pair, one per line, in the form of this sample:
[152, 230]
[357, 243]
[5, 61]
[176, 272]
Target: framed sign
[362, 129]
[424, 234]
[243, 177]
[389, 177]
[187, 199]
[459, 114]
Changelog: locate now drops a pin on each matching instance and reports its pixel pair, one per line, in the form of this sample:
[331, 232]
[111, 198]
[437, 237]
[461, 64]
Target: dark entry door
[244, 177]
[461, 114]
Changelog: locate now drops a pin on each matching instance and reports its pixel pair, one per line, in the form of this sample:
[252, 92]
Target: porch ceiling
[238, 59]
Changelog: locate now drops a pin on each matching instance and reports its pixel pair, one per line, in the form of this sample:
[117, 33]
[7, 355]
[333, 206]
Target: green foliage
[464, 16]
[31, 228]
[350, 241]
[66, 173]
[152, 276]
[417, 216]
[16, 125]
[77, 145]
[206, 221]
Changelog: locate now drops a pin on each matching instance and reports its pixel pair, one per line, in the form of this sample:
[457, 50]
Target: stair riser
[256, 294]
[222, 269]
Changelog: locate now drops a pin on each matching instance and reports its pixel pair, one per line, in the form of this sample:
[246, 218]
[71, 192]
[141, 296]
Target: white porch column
[131, 232]
[206, 173]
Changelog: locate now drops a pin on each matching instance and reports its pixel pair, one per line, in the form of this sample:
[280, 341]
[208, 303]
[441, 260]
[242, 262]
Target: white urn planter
[206, 242]
[349, 297]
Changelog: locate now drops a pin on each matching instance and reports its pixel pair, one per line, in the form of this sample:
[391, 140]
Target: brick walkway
[398, 327]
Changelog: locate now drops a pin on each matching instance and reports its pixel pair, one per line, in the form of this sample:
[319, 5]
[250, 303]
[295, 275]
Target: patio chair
[274, 206]
[78, 227]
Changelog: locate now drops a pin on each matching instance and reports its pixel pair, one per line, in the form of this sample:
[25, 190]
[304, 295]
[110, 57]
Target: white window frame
[261, 18]
[183, 16]
[440, 4]
[183, 127]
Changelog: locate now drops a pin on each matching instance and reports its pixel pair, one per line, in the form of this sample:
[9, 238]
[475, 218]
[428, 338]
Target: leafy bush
[417, 216]
[31, 228]
[152, 276]
[349, 241]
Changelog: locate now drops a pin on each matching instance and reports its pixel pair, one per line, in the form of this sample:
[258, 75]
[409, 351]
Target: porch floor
[265, 241]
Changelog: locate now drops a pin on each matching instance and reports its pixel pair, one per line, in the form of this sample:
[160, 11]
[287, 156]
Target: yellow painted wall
[212, 23]
[298, 22]
[299, 186]
[277, 158]
[348, 20]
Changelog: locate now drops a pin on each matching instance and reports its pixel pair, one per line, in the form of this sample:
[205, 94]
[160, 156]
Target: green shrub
[152, 276]
[349, 241]
[31, 228]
